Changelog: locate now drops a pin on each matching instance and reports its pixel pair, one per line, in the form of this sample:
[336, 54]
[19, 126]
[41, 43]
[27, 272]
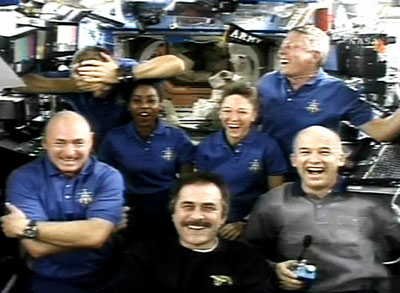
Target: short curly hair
[244, 89]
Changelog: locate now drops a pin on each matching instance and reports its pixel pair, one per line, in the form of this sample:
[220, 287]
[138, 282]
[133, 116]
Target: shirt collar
[53, 171]
[340, 187]
[321, 74]
[221, 140]
[221, 246]
[160, 129]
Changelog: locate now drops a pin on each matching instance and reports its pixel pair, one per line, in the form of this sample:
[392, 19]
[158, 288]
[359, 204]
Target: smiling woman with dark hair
[150, 154]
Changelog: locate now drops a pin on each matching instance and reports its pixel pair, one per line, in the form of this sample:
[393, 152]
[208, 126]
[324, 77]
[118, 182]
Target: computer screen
[41, 44]
[331, 64]
[12, 109]
[24, 48]
[18, 49]
[66, 38]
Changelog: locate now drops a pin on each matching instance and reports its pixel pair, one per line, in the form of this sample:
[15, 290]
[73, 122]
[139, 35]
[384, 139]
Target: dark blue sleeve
[56, 74]
[274, 159]
[200, 156]
[185, 149]
[109, 196]
[127, 63]
[357, 112]
[123, 63]
[106, 153]
[22, 191]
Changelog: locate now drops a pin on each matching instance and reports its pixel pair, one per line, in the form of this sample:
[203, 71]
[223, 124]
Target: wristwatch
[125, 74]
[31, 230]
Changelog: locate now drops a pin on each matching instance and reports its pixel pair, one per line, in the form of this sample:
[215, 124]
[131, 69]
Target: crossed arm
[60, 236]
[57, 237]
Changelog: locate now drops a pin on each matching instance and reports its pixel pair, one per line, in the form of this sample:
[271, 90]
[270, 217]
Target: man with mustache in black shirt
[197, 260]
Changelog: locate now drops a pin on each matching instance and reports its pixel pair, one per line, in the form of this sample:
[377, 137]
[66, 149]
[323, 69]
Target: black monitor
[12, 110]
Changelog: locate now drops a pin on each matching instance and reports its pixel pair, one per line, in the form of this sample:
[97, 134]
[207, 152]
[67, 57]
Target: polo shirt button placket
[289, 95]
[321, 213]
[237, 151]
[68, 191]
[147, 147]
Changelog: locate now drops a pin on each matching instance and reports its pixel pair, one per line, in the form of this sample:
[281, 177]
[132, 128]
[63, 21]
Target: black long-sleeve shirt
[168, 267]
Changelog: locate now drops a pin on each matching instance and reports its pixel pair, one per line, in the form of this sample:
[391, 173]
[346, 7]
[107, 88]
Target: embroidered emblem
[221, 280]
[168, 154]
[85, 197]
[313, 107]
[255, 166]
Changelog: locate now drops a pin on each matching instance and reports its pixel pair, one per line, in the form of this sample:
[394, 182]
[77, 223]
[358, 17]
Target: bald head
[66, 117]
[319, 131]
[317, 156]
[68, 142]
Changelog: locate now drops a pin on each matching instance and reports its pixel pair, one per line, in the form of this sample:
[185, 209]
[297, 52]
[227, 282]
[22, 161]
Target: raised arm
[36, 84]
[383, 129]
[96, 71]
[160, 67]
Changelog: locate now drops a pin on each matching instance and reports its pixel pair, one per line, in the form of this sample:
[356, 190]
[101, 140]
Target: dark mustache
[201, 223]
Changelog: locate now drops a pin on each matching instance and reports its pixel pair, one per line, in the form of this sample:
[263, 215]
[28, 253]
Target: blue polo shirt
[44, 194]
[245, 169]
[150, 166]
[103, 114]
[325, 101]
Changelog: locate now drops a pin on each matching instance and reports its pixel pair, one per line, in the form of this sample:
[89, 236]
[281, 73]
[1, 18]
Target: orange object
[323, 19]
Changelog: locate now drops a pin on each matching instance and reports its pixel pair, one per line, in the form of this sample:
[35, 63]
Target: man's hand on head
[96, 71]
[85, 86]
[15, 222]
[287, 279]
